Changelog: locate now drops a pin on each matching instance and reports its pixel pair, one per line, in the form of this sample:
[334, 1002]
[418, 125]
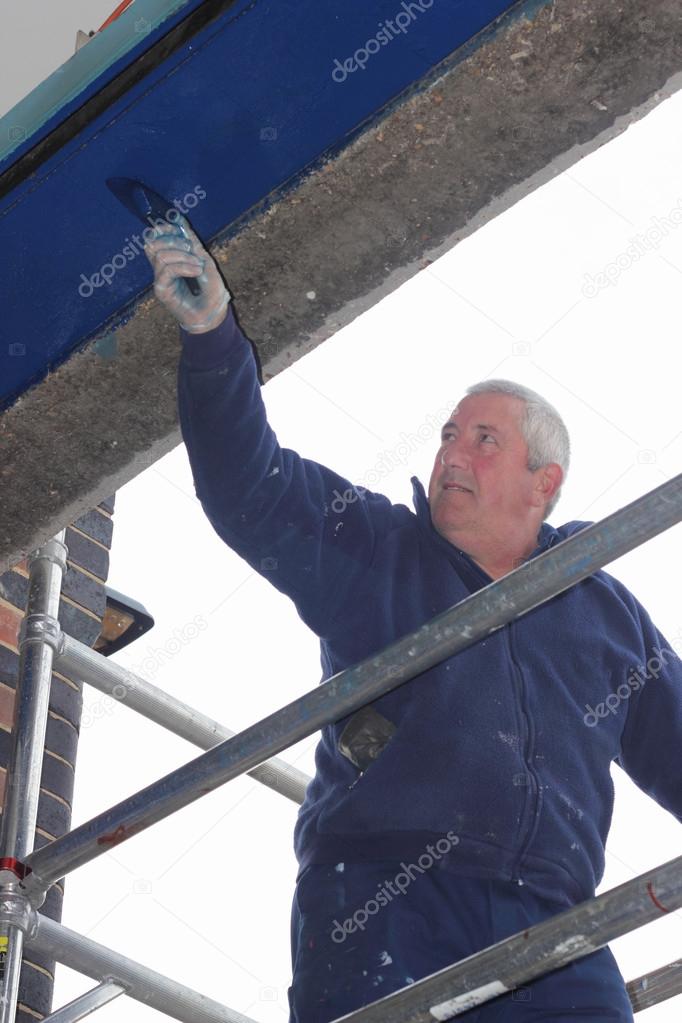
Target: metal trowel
[148, 206]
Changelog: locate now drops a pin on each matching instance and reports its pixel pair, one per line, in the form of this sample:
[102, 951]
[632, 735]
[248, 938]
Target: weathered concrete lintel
[498, 205]
[525, 106]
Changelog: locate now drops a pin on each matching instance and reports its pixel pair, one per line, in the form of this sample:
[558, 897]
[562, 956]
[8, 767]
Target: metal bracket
[54, 550]
[41, 628]
[16, 910]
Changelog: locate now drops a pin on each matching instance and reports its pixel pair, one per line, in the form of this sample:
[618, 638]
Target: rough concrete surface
[484, 130]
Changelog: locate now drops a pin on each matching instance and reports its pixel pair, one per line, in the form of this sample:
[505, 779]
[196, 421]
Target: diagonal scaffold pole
[87, 1003]
[137, 981]
[655, 987]
[529, 954]
[479, 615]
[87, 665]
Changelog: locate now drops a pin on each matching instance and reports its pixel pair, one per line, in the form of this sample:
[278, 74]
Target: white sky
[206, 895]
[37, 37]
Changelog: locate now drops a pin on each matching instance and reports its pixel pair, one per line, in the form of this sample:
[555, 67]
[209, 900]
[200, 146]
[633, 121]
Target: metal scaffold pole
[525, 956]
[82, 1006]
[139, 982]
[514, 961]
[655, 987]
[536, 581]
[80, 662]
[452, 991]
[37, 641]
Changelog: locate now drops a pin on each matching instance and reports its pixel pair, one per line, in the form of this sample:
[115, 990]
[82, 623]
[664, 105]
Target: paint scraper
[148, 206]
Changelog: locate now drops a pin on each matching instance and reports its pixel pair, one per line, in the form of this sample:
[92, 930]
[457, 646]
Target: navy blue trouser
[352, 945]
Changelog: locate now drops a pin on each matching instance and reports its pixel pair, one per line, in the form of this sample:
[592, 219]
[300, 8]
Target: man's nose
[455, 453]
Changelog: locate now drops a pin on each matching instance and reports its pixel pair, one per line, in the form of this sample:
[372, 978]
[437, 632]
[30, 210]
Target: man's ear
[549, 479]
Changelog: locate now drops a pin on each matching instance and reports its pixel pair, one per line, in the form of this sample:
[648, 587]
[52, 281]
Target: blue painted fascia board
[239, 112]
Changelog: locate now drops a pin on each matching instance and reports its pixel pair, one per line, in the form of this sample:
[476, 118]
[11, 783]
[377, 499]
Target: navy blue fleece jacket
[507, 744]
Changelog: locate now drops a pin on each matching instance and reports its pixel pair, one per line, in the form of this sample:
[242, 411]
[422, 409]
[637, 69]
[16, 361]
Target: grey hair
[542, 427]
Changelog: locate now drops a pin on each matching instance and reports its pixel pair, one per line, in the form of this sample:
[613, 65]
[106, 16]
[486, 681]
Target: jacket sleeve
[299, 524]
[652, 734]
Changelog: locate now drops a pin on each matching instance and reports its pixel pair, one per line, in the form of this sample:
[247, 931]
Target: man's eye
[484, 435]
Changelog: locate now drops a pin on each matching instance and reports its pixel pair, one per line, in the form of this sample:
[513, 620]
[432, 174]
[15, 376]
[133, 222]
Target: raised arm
[284, 514]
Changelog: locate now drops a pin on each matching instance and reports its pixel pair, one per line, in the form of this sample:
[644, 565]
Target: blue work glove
[176, 252]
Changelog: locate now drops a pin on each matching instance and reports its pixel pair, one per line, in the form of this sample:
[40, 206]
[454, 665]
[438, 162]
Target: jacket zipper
[531, 799]
[534, 798]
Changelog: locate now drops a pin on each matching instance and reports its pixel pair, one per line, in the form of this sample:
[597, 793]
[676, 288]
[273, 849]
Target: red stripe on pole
[18, 868]
[116, 14]
[653, 898]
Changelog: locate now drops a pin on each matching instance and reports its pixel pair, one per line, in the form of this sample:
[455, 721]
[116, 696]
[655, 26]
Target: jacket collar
[547, 537]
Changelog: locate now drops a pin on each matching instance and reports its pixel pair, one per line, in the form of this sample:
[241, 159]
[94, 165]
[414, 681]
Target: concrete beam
[490, 125]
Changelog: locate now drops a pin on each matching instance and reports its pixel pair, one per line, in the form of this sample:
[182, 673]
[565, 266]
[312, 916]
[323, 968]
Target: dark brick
[84, 591]
[14, 588]
[39, 959]
[61, 738]
[99, 527]
[79, 587]
[78, 624]
[55, 776]
[108, 504]
[86, 554]
[54, 900]
[53, 816]
[35, 991]
[5, 746]
[40, 841]
[9, 662]
[64, 699]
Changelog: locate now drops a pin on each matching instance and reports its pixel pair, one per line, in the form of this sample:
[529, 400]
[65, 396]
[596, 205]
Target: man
[475, 800]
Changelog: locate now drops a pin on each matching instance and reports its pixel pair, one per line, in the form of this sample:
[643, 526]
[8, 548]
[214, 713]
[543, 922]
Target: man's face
[483, 450]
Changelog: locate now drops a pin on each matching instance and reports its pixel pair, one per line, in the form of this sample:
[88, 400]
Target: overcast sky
[206, 895]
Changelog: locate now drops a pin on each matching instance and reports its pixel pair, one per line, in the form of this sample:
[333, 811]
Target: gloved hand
[174, 256]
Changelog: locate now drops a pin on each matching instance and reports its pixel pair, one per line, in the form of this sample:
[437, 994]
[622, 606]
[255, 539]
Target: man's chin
[448, 523]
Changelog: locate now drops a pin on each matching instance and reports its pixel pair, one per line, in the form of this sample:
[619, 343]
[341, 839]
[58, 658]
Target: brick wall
[81, 609]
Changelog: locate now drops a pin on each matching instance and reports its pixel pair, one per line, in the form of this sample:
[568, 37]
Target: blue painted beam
[241, 109]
